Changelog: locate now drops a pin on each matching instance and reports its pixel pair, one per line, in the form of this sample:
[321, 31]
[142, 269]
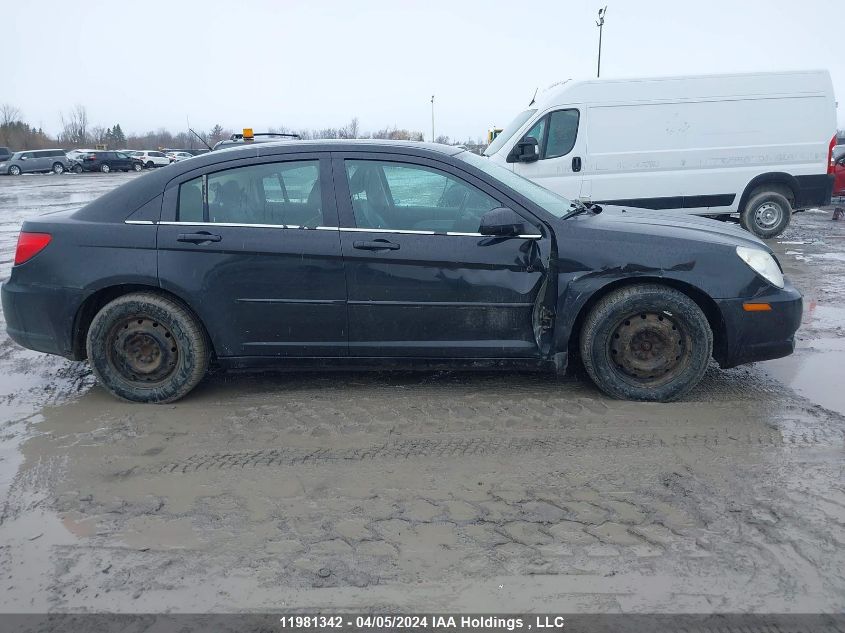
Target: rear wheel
[105, 168]
[137, 166]
[58, 168]
[646, 342]
[146, 348]
[767, 214]
[14, 170]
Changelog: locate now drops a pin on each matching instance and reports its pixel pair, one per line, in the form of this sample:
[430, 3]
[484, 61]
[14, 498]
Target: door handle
[198, 238]
[576, 163]
[376, 245]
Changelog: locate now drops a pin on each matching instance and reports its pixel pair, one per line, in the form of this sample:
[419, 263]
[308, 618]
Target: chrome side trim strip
[355, 229]
[346, 229]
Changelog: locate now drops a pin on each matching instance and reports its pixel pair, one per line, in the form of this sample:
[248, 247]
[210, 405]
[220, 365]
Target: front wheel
[150, 164]
[137, 166]
[14, 170]
[646, 342]
[767, 214]
[58, 168]
[104, 168]
[147, 348]
[77, 169]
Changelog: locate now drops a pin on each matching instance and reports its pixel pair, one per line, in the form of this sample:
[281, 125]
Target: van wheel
[646, 342]
[77, 169]
[767, 214]
[58, 168]
[146, 348]
[105, 168]
[14, 170]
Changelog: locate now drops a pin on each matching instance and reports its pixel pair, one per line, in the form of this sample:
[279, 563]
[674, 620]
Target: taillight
[29, 245]
[830, 163]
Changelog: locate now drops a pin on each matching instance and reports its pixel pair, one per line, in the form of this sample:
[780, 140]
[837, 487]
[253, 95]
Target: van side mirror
[502, 222]
[526, 151]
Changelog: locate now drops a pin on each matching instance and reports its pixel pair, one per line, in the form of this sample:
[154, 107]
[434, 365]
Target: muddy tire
[766, 214]
[646, 342]
[144, 347]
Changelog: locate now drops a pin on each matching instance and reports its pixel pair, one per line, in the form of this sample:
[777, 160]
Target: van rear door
[562, 140]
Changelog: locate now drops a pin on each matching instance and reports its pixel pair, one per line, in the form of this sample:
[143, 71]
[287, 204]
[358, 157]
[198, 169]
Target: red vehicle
[837, 168]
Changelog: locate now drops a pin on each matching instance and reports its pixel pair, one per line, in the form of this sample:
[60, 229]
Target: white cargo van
[757, 145]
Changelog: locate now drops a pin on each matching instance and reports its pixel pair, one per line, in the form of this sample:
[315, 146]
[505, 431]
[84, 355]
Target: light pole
[432, 118]
[600, 24]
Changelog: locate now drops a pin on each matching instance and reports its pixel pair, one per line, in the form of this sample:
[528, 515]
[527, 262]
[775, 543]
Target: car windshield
[510, 130]
[557, 205]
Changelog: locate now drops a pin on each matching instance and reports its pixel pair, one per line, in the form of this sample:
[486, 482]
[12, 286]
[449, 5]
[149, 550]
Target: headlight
[762, 263]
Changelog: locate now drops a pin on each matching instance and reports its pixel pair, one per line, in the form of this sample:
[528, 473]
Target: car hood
[671, 223]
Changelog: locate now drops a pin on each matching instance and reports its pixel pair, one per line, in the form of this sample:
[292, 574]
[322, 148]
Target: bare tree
[9, 114]
[75, 126]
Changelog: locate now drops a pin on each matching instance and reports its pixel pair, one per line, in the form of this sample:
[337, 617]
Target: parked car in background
[109, 161]
[5, 154]
[152, 159]
[35, 161]
[300, 255]
[74, 154]
[756, 145]
[175, 157]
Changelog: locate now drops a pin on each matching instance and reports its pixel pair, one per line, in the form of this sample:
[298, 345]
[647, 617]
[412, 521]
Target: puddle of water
[815, 374]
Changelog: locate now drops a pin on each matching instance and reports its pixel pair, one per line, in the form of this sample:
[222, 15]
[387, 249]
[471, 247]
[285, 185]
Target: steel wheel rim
[142, 350]
[768, 215]
[649, 348]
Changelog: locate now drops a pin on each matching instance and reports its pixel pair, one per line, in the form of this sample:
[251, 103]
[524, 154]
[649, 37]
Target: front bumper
[755, 336]
[40, 317]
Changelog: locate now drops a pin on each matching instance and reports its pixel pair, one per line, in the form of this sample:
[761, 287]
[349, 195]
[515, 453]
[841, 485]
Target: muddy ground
[432, 491]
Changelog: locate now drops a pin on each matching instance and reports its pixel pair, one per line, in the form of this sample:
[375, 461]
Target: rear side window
[276, 193]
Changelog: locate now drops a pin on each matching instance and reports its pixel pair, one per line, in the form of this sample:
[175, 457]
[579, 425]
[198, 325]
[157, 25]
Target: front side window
[401, 196]
[555, 133]
[273, 193]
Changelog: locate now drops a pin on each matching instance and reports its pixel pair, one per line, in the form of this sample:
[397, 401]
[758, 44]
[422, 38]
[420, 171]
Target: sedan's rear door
[421, 280]
[254, 248]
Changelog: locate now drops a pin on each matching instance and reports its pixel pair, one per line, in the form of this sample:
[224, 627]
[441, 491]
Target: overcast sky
[264, 63]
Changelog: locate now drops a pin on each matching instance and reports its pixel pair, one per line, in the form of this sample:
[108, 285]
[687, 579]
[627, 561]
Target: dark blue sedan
[377, 254]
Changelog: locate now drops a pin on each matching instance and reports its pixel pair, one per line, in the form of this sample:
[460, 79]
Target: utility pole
[600, 24]
[432, 119]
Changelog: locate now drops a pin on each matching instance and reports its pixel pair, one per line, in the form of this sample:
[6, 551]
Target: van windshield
[557, 205]
[510, 130]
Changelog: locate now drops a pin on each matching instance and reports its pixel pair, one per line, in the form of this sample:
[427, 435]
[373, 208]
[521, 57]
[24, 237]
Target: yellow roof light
[248, 135]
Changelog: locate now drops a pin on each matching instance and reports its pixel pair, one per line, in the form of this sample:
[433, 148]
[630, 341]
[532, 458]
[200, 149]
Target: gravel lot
[431, 491]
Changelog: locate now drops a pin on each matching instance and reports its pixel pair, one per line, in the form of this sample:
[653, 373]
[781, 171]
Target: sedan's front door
[421, 280]
[255, 250]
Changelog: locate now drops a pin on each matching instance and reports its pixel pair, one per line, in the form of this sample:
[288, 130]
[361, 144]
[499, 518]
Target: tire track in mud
[544, 445]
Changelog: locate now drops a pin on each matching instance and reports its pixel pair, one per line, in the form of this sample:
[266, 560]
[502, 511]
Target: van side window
[555, 133]
[563, 129]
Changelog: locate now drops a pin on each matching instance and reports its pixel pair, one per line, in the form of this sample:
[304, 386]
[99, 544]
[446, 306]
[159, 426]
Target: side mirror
[502, 222]
[526, 151]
